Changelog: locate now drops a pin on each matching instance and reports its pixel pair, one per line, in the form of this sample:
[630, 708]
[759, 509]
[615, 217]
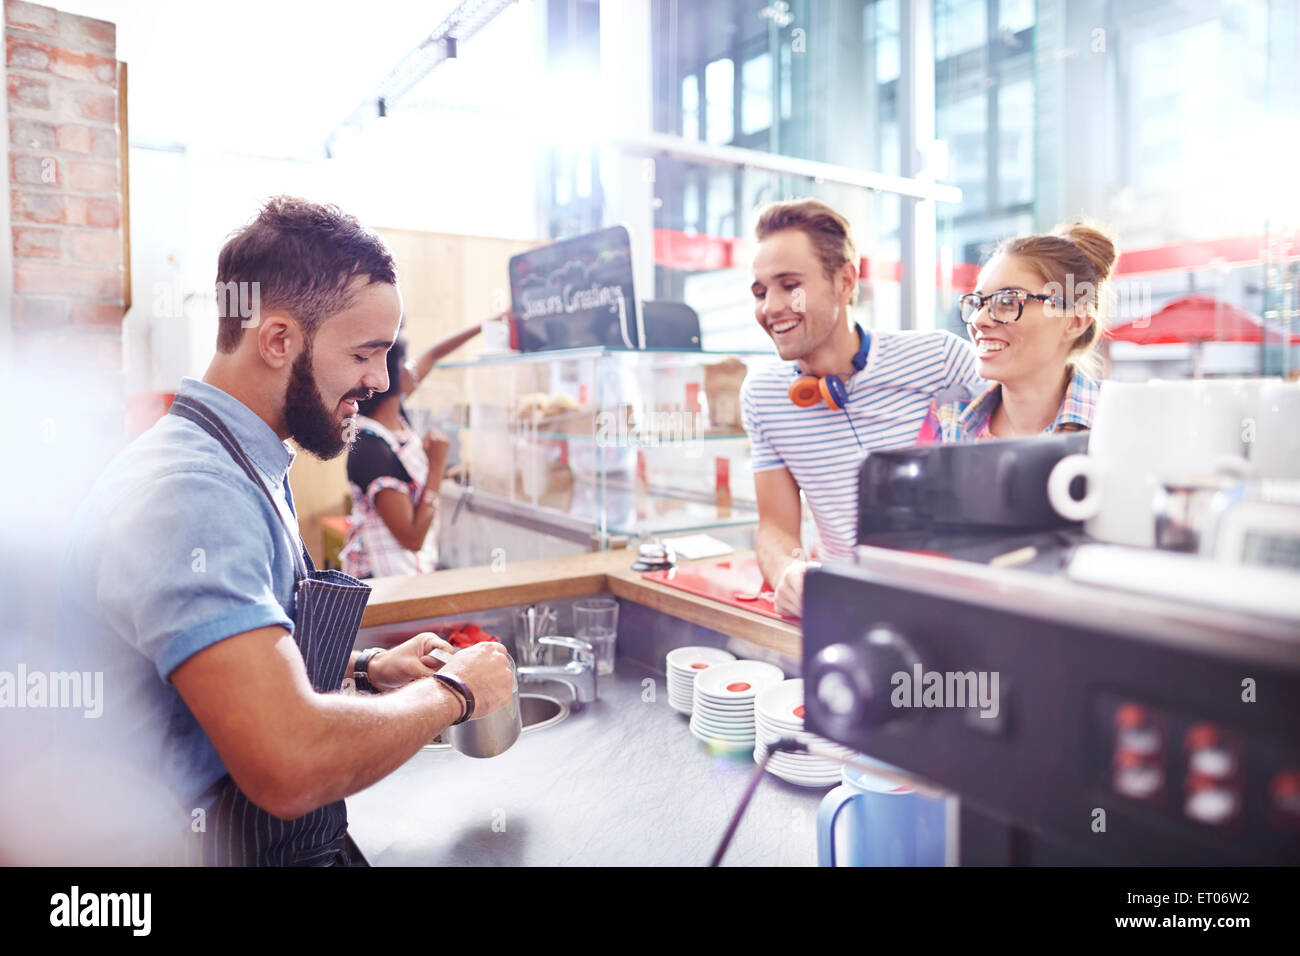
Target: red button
[1201, 781]
[1202, 735]
[1131, 758]
[1286, 784]
[1130, 715]
[1285, 793]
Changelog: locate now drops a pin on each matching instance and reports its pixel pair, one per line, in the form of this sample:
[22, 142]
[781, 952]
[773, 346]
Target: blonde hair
[1078, 258]
[828, 231]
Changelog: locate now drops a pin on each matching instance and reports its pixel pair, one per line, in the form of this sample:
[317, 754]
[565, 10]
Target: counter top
[465, 590]
[621, 783]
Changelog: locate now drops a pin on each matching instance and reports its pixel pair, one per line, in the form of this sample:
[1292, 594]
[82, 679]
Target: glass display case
[596, 446]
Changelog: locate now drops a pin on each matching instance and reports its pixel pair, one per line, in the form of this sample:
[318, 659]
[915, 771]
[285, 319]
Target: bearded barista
[223, 647]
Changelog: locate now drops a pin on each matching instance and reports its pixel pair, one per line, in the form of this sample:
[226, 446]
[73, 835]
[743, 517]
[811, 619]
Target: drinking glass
[596, 620]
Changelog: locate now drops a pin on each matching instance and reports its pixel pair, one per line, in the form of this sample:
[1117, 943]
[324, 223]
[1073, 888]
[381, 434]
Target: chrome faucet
[579, 673]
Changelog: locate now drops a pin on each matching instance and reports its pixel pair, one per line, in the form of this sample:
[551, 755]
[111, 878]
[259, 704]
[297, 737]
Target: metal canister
[490, 735]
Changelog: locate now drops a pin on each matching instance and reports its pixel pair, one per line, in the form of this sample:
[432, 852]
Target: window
[719, 92]
[583, 185]
[1015, 15]
[691, 107]
[959, 25]
[562, 194]
[1016, 143]
[756, 94]
[722, 203]
[691, 203]
[881, 26]
[887, 43]
[787, 85]
[964, 124]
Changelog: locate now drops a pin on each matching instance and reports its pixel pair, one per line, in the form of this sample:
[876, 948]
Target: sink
[536, 711]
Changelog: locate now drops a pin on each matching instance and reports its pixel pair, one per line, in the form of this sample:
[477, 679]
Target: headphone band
[859, 359]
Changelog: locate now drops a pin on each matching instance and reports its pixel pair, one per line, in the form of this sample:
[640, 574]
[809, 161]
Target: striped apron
[327, 612]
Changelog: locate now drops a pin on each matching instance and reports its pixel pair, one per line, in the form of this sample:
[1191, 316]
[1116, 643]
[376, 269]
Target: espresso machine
[1138, 719]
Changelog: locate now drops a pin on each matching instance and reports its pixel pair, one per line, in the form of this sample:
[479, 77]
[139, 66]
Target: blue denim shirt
[173, 550]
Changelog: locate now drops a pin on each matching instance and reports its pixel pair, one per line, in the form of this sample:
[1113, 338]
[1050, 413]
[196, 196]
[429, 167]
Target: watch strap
[461, 688]
[361, 670]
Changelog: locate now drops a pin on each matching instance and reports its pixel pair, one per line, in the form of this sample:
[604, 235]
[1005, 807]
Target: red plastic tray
[723, 582]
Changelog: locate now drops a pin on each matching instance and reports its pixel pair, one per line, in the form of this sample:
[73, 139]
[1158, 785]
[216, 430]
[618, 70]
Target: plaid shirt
[962, 415]
[371, 551]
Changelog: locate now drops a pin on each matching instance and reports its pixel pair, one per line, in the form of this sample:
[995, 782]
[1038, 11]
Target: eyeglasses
[1005, 305]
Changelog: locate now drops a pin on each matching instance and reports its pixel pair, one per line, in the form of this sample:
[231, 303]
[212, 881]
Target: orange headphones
[809, 390]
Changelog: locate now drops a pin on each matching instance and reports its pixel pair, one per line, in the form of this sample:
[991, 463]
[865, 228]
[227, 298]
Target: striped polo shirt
[887, 401]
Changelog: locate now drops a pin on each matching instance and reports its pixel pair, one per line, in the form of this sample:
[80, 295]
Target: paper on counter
[690, 546]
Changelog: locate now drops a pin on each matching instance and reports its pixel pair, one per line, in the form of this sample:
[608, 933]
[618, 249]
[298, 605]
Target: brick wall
[65, 187]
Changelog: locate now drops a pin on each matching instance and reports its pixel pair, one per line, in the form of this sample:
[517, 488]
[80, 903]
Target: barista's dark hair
[303, 257]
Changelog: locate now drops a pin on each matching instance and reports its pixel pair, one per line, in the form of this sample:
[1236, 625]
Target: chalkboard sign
[576, 292]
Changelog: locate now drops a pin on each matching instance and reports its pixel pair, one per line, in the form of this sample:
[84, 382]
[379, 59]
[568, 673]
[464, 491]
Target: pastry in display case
[598, 445]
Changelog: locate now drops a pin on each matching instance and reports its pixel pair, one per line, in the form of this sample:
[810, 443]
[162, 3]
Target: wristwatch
[361, 670]
[461, 688]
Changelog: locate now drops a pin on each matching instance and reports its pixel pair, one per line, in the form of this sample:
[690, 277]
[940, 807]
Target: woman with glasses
[1036, 318]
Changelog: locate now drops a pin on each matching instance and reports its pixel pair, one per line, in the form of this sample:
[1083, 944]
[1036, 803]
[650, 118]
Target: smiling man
[838, 392]
[188, 585]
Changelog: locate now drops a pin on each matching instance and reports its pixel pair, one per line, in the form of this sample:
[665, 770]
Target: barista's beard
[307, 419]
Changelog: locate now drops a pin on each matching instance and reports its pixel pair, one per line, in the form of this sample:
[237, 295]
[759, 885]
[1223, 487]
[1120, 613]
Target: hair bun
[1094, 241]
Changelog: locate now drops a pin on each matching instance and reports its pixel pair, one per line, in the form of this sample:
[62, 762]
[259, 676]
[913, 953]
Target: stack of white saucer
[723, 710]
[778, 712]
[684, 665]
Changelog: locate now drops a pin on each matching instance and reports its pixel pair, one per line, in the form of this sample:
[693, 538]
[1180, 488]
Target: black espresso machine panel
[1115, 732]
[1077, 724]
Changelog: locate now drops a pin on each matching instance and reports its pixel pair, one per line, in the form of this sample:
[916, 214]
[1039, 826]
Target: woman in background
[1038, 349]
[394, 474]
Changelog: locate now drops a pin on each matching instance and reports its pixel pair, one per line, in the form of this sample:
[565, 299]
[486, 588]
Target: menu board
[576, 292]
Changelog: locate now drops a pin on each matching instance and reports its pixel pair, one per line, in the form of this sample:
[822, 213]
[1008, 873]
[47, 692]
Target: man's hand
[485, 667]
[789, 589]
[406, 662]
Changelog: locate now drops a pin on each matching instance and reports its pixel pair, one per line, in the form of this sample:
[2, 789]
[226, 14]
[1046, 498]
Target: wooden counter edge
[466, 590]
[733, 622]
